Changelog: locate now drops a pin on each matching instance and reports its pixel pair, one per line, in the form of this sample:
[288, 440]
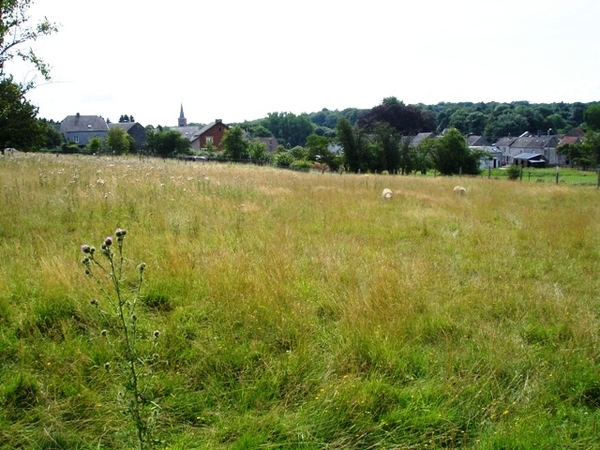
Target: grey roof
[189, 132]
[477, 141]
[530, 156]
[125, 125]
[79, 123]
[535, 142]
[415, 141]
[505, 141]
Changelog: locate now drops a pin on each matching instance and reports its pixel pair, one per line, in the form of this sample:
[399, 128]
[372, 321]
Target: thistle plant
[133, 349]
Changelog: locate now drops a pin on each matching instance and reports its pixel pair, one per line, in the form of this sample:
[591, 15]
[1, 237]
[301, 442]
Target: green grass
[302, 311]
[548, 175]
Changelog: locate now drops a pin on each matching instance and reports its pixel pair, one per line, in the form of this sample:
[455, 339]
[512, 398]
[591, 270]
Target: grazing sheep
[387, 194]
[459, 190]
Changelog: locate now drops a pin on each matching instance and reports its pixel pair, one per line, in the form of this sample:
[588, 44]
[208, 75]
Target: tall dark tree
[354, 158]
[387, 156]
[234, 144]
[452, 156]
[52, 137]
[591, 117]
[406, 120]
[19, 127]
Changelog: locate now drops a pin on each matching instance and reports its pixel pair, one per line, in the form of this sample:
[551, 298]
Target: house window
[76, 139]
[209, 139]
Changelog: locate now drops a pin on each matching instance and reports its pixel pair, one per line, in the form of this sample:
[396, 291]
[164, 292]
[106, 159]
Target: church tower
[182, 122]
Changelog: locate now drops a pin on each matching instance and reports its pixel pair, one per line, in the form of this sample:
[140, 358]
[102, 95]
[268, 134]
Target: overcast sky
[239, 60]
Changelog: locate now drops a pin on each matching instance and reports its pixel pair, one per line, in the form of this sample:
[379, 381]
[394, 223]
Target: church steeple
[182, 122]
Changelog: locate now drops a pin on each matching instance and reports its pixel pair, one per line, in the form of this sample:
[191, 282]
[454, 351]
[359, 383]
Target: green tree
[406, 120]
[591, 117]
[52, 139]
[288, 127]
[387, 149]
[19, 127]
[350, 142]
[95, 144]
[423, 155]
[233, 143]
[316, 146]
[119, 141]
[16, 31]
[460, 120]
[166, 143]
[299, 152]
[452, 156]
[257, 151]
[259, 131]
[591, 147]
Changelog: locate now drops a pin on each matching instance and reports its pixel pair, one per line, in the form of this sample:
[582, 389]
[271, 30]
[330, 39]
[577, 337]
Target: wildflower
[156, 334]
[108, 241]
[94, 302]
[120, 234]
[141, 267]
[86, 249]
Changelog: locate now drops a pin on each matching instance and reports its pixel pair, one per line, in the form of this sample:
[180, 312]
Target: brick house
[211, 133]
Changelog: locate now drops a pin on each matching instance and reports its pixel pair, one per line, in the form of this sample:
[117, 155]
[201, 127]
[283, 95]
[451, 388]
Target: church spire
[182, 122]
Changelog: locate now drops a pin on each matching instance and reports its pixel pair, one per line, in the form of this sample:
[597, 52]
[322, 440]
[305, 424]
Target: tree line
[376, 139]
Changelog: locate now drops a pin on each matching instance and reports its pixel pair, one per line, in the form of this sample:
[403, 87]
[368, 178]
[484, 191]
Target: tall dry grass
[300, 310]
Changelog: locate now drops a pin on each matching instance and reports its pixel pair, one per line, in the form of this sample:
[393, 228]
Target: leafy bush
[301, 164]
[513, 171]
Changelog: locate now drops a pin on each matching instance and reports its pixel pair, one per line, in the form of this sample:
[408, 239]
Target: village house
[135, 130]
[201, 137]
[209, 134]
[531, 144]
[80, 129]
[492, 156]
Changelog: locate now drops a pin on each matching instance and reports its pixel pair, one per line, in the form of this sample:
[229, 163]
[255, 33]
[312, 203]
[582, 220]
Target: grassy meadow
[300, 310]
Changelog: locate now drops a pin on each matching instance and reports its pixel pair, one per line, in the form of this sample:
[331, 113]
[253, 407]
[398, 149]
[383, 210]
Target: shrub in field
[513, 172]
[132, 345]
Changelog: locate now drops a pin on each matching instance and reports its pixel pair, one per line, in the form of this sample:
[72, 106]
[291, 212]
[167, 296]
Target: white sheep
[387, 194]
[459, 190]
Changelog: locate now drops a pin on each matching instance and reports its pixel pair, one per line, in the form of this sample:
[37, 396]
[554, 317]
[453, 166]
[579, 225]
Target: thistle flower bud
[120, 233]
[156, 334]
[134, 317]
[108, 241]
[94, 302]
[141, 267]
[86, 249]
[104, 333]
